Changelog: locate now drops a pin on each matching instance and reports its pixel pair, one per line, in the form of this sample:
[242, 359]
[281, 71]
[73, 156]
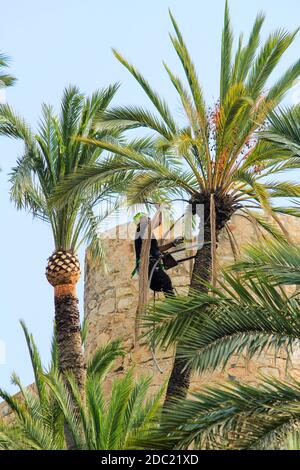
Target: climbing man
[159, 279]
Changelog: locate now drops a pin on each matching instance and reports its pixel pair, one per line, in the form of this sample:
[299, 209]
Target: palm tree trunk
[202, 265]
[69, 344]
[180, 377]
[68, 337]
[63, 273]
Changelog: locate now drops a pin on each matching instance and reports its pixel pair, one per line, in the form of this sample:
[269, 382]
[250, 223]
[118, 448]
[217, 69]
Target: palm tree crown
[217, 152]
[52, 154]
[217, 159]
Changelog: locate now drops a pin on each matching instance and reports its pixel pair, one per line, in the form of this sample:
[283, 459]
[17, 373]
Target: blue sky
[69, 41]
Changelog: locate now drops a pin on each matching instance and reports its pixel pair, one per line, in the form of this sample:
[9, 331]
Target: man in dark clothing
[159, 279]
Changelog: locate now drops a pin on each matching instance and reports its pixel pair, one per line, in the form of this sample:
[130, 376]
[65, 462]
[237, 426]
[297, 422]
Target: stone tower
[111, 302]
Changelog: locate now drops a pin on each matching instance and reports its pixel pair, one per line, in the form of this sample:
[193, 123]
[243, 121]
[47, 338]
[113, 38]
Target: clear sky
[55, 43]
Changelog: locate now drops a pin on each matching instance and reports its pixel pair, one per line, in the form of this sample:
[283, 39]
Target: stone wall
[111, 302]
[6, 412]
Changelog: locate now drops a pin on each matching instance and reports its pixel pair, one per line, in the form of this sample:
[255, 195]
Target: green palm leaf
[226, 54]
[6, 79]
[232, 416]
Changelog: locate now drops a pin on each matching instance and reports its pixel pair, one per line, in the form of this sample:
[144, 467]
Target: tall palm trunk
[67, 323]
[63, 273]
[180, 377]
[223, 209]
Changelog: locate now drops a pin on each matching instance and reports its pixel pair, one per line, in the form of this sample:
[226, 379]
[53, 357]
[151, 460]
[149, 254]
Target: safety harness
[167, 260]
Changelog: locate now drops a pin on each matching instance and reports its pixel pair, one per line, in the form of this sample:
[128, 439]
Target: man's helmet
[139, 216]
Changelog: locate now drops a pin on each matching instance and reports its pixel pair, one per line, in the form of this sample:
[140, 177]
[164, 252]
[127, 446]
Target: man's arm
[173, 244]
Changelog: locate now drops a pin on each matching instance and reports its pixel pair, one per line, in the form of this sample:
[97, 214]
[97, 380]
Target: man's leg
[166, 284]
[160, 282]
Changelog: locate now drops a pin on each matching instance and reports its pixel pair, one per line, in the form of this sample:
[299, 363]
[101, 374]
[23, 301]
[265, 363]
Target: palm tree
[105, 422]
[48, 157]
[251, 312]
[6, 79]
[115, 424]
[233, 417]
[30, 403]
[215, 159]
[38, 422]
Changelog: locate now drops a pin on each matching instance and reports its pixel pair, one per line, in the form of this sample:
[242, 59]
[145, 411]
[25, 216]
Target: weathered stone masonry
[111, 301]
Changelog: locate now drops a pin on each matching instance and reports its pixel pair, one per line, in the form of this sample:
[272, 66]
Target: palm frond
[232, 417]
[159, 104]
[226, 55]
[280, 262]
[266, 227]
[266, 61]
[247, 55]
[6, 80]
[284, 130]
[131, 117]
[102, 360]
[247, 314]
[35, 362]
